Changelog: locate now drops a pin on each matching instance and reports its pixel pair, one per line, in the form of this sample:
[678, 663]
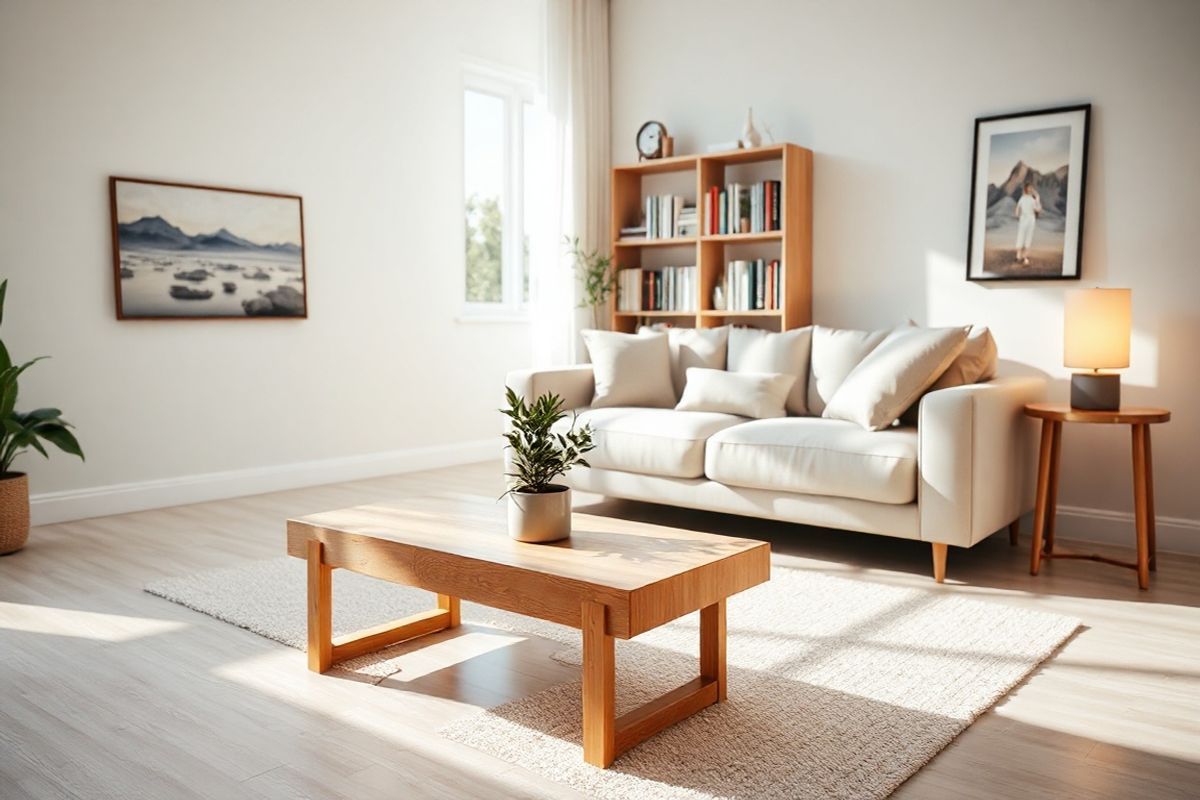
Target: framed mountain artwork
[1027, 189]
[182, 251]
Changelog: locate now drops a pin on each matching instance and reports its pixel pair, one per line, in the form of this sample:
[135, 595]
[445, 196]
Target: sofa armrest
[976, 458]
[575, 385]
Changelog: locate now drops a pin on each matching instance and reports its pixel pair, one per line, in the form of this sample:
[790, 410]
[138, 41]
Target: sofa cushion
[652, 441]
[755, 350]
[692, 347]
[630, 369]
[976, 363]
[835, 353]
[810, 455]
[894, 374]
[757, 395]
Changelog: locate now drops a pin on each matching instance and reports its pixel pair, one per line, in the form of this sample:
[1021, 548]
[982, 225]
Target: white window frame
[515, 89]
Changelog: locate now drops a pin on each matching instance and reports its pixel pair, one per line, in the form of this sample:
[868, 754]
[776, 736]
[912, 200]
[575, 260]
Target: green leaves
[595, 271]
[30, 429]
[539, 454]
[22, 431]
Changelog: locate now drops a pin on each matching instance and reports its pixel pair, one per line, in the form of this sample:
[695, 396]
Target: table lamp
[1096, 331]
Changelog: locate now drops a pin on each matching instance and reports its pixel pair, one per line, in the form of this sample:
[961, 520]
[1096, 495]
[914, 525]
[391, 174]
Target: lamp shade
[1096, 328]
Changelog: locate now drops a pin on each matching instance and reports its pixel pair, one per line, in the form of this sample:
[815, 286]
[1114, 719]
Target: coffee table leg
[451, 604]
[320, 609]
[712, 645]
[599, 687]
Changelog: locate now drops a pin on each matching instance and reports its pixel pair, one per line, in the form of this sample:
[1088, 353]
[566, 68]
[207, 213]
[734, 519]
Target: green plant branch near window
[22, 431]
[596, 276]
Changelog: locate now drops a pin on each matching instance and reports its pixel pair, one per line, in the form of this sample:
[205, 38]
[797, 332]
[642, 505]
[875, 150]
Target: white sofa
[965, 471]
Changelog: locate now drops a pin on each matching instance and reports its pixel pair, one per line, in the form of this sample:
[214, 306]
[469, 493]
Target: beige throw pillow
[692, 347]
[755, 350]
[835, 352]
[894, 374]
[977, 361]
[759, 395]
[630, 369]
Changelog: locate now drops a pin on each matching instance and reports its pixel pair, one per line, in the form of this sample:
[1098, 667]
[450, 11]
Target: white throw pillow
[894, 374]
[755, 350]
[835, 353]
[630, 369]
[692, 347]
[748, 394]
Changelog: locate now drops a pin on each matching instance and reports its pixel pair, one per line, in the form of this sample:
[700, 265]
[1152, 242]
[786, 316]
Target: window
[497, 114]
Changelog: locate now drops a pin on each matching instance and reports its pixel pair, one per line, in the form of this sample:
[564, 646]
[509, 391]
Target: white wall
[885, 94]
[354, 105]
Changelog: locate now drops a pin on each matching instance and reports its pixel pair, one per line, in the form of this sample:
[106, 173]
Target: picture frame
[188, 251]
[1028, 186]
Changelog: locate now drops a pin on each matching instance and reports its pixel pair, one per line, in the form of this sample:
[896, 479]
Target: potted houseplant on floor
[22, 431]
[539, 510]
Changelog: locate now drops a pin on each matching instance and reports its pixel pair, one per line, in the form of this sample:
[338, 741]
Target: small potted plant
[597, 276]
[539, 510]
[22, 431]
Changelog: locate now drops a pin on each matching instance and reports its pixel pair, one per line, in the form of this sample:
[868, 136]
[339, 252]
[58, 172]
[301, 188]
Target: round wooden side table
[1053, 415]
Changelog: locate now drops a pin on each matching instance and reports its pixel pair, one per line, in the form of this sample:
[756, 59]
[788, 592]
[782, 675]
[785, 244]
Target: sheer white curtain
[570, 191]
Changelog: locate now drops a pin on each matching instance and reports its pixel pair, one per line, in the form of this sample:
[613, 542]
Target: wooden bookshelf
[708, 251]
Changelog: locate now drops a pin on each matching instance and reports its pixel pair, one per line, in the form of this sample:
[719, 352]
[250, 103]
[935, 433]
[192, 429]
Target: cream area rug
[838, 688]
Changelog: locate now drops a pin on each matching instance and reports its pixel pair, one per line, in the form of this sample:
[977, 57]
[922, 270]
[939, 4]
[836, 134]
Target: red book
[767, 204]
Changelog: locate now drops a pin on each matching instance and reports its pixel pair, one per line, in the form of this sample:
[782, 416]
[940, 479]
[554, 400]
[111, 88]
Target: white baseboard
[121, 498]
[1172, 534]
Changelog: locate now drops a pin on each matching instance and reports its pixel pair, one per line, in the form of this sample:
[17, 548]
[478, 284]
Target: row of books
[658, 289]
[668, 216]
[752, 285]
[758, 203]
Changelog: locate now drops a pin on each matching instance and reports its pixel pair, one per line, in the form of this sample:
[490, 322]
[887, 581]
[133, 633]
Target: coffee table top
[459, 545]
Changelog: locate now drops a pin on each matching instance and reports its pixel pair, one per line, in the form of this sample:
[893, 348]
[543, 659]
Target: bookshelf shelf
[660, 165]
[732, 238]
[687, 241]
[708, 251]
[688, 314]
[758, 312]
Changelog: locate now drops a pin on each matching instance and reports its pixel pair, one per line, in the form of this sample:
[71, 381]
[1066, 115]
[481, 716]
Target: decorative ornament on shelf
[718, 299]
[539, 510]
[651, 138]
[750, 135]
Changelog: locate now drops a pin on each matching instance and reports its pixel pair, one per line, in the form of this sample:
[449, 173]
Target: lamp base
[1092, 391]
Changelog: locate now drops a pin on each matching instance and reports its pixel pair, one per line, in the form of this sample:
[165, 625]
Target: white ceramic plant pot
[540, 516]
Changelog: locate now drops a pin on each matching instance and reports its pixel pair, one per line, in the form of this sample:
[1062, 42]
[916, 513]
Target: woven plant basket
[14, 511]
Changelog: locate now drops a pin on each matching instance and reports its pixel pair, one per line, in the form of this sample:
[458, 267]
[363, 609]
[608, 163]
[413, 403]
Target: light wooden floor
[106, 691]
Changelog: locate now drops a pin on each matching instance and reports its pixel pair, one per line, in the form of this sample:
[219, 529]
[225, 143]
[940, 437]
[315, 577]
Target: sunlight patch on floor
[93, 625]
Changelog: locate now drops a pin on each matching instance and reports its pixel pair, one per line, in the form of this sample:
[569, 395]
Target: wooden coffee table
[612, 579]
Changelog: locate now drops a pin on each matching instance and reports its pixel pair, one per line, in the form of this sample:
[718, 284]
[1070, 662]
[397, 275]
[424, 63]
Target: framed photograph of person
[1027, 185]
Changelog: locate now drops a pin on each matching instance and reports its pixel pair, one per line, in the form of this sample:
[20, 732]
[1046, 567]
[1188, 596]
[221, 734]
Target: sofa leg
[1014, 532]
[939, 561]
